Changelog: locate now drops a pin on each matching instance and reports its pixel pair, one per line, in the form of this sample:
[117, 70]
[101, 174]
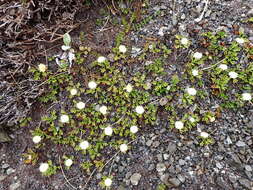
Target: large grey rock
[246, 183]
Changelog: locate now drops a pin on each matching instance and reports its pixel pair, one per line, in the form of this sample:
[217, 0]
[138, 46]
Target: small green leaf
[66, 39]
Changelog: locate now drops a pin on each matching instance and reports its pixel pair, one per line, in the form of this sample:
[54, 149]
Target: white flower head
[191, 91]
[103, 109]
[73, 91]
[212, 119]
[233, 75]
[43, 167]
[64, 118]
[192, 120]
[92, 84]
[42, 68]
[101, 59]
[123, 148]
[129, 88]
[65, 48]
[134, 129]
[246, 96]
[68, 162]
[179, 125]
[184, 41]
[122, 49]
[195, 72]
[204, 135]
[139, 109]
[108, 131]
[223, 67]
[84, 145]
[197, 55]
[80, 105]
[240, 40]
[108, 182]
[36, 139]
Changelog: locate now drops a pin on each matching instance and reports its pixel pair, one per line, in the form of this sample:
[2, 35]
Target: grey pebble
[240, 144]
[175, 182]
[10, 171]
[246, 183]
[149, 142]
[14, 186]
[248, 168]
[135, 178]
[4, 166]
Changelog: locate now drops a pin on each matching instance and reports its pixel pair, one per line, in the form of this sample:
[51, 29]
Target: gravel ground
[159, 156]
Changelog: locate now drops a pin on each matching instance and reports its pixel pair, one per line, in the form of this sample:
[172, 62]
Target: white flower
[223, 67]
[139, 109]
[64, 119]
[43, 167]
[123, 148]
[108, 182]
[103, 109]
[92, 84]
[101, 59]
[64, 48]
[179, 125]
[108, 131]
[84, 145]
[192, 91]
[80, 105]
[73, 91]
[36, 139]
[246, 96]
[129, 88]
[184, 41]
[204, 135]
[68, 162]
[240, 40]
[42, 68]
[122, 49]
[233, 74]
[134, 129]
[197, 55]
[195, 72]
[192, 120]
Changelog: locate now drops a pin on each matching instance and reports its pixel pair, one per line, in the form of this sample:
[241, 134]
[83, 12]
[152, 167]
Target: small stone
[246, 183]
[181, 162]
[183, 16]
[219, 165]
[228, 140]
[10, 171]
[149, 142]
[2, 177]
[181, 178]
[240, 144]
[4, 166]
[160, 157]
[14, 186]
[166, 156]
[174, 181]
[248, 168]
[171, 148]
[135, 178]
[163, 101]
[156, 144]
[160, 167]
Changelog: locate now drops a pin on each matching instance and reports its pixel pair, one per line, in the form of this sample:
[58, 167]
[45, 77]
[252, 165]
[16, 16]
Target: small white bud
[73, 91]
[64, 118]
[122, 49]
[223, 67]
[134, 129]
[103, 110]
[42, 68]
[108, 182]
[80, 105]
[68, 162]
[65, 48]
[43, 167]
[191, 91]
[197, 55]
[123, 148]
[36, 139]
[204, 135]
[240, 40]
[139, 109]
[84, 145]
[246, 96]
[192, 120]
[179, 125]
[233, 74]
[92, 84]
[108, 131]
[129, 88]
[101, 59]
[184, 41]
[195, 72]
